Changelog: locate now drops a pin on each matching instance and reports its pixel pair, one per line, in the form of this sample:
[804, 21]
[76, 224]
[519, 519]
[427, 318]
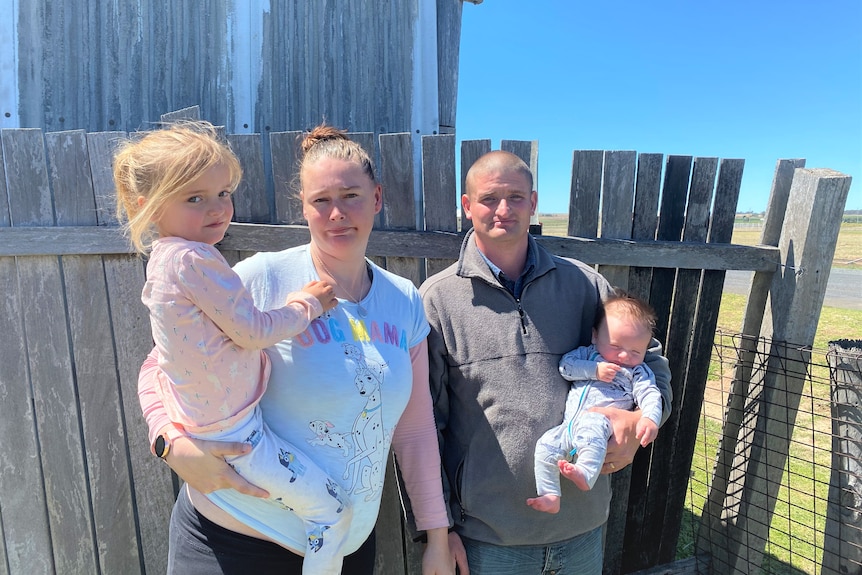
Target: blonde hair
[328, 142]
[155, 165]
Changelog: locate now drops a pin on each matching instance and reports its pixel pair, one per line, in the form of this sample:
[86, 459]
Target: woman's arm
[415, 445]
[198, 462]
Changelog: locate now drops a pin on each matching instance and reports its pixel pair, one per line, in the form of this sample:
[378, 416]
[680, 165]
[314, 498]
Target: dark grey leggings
[197, 546]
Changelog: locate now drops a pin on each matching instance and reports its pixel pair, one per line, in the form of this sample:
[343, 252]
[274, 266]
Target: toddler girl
[174, 188]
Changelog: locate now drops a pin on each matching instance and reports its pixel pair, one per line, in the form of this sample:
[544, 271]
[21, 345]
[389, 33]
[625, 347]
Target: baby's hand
[606, 371]
[323, 292]
[647, 431]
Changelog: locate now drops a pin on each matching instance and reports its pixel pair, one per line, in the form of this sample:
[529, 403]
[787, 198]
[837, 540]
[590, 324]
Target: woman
[338, 388]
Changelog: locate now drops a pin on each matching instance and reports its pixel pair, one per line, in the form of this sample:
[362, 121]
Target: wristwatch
[162, 445]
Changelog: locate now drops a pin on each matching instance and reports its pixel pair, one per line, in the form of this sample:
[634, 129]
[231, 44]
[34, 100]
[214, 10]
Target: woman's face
[339, 202]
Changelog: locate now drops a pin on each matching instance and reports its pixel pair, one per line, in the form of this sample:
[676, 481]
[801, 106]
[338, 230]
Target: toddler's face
[202, 210]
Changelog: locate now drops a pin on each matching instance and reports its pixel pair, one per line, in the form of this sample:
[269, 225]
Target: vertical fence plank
[101, 147]
[630, 486]
[153, 486]
[285, 151]
[639, 537]
[697, 368]
[585, 193]
[94, 362]
[69, 171]
[438, 188]
[471, 150]
[49, 357]
[714, 534]
[618, 190]
[677, 344]
[645, 217]
[100, 404]
[250, 200]
[670, 224]
[527, 150]
[5, 220]
[26, 536]
[396, 177]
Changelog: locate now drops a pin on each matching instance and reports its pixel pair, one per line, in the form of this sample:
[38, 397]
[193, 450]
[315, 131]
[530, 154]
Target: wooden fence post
[761, 447]
[842, 545]
[713, 536]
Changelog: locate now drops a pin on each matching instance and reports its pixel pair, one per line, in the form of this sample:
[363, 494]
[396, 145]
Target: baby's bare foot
[545, 503]
[575, 475]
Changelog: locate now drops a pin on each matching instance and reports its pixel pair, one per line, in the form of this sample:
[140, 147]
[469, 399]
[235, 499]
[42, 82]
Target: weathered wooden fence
[79, 490]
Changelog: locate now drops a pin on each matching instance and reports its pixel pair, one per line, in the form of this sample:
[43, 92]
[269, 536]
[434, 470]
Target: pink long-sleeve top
[209, 334]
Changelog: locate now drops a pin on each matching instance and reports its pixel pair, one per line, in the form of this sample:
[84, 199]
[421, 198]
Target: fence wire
[795, 543]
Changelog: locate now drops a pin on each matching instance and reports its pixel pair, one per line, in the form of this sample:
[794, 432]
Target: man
[501, 318]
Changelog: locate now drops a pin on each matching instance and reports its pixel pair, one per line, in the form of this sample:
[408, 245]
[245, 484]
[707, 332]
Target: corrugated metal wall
[254, 66]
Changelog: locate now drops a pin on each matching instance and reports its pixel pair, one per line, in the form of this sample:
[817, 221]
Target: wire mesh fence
[820, 479]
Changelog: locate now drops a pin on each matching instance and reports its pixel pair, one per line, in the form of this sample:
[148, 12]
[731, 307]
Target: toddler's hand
[324, 293]
[647, 431]
[606, 371]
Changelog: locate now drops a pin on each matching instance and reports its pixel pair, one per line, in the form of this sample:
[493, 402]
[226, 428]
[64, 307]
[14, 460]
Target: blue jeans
[579, 556]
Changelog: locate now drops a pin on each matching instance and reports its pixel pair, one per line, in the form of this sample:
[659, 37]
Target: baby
[608, 373]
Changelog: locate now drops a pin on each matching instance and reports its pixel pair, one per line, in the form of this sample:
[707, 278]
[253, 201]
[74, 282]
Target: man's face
[500, 205]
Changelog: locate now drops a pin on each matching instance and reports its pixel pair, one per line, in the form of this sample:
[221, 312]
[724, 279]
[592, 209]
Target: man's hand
[624, 443]
[201, 464]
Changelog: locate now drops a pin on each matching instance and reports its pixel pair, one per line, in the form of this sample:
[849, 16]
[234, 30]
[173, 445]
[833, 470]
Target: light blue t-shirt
[337, 389]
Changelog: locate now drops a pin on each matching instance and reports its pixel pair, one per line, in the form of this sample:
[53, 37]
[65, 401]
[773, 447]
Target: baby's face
[622, 341]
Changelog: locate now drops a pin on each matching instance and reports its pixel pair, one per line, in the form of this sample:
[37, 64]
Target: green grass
[796, 533]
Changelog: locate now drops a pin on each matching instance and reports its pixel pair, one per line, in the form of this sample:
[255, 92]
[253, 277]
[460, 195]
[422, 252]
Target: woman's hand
[623, 444]
[436, 559]
[458, 553]
[201, 464]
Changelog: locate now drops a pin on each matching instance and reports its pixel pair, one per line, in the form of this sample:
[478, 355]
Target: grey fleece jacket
[496, 388]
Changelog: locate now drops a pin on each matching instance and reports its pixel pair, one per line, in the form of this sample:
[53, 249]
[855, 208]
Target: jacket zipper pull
[521, 315]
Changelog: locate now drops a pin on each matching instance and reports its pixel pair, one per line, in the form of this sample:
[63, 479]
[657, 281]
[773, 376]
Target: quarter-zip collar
[473, 263]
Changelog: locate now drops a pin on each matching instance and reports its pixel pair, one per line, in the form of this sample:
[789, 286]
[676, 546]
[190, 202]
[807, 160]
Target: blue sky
[759, 80]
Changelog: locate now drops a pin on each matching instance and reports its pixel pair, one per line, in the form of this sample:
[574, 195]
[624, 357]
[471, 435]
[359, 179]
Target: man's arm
[659, 366]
